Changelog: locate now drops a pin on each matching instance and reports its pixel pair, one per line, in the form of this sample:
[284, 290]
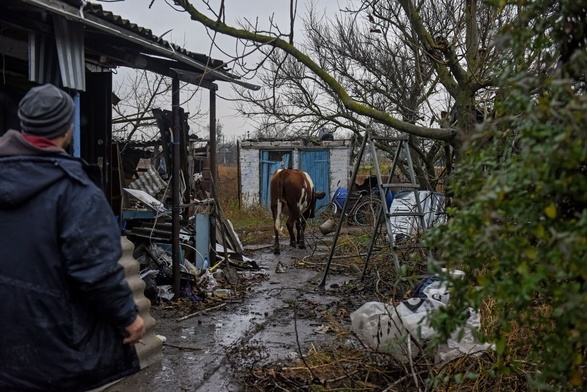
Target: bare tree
[142, 91]
[355, 73]
[371, 61]
[387, 65]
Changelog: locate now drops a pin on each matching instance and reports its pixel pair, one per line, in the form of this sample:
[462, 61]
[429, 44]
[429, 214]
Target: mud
[275, 320]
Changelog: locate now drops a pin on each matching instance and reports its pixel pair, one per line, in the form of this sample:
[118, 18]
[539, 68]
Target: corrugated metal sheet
[69, 38]
[43, 64]
[150, 182]
[213, 68]
[151, 350]
[92, 19]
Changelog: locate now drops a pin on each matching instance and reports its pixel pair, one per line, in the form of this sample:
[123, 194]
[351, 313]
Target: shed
[76, 45]
[328, 162]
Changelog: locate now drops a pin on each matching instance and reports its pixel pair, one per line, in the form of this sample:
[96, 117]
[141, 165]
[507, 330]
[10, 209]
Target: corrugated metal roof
[111, 34]
[98, 11]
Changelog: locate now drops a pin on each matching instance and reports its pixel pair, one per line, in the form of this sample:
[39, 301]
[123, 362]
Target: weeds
[228, 196]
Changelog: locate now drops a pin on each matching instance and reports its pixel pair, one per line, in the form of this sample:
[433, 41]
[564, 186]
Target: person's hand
[135, 331]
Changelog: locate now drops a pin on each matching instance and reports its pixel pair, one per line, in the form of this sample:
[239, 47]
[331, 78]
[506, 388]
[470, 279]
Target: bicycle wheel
[325, 212]
[367, 211]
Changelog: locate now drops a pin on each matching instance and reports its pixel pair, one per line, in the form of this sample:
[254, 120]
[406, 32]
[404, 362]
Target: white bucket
[328, 227]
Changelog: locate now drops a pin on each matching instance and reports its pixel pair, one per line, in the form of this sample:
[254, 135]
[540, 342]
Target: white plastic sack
[432, 204]
[437, 287]
[389, 328]
[467, 345]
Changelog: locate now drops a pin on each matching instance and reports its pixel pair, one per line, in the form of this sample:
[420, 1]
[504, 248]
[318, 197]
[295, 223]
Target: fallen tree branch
[200, 312]
[183, 347]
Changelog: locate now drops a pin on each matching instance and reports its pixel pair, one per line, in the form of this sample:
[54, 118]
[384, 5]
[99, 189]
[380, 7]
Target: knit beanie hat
[46, 111]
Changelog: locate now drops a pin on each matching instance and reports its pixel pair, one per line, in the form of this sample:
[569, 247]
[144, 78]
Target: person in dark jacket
[68, 321]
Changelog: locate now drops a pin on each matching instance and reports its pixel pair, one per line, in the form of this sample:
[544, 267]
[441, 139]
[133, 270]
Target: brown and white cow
[292, 194]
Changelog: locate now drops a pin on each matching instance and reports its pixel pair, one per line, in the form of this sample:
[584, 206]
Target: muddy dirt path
[276, 319]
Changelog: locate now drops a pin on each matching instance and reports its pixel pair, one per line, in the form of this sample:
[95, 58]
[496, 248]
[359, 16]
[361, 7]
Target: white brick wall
[250, 186]
[340, 166]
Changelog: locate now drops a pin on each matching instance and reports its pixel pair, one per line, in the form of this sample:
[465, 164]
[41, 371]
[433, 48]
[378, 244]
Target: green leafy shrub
[518, 225]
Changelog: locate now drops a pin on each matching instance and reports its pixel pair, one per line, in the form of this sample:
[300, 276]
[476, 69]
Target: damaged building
[160, 192]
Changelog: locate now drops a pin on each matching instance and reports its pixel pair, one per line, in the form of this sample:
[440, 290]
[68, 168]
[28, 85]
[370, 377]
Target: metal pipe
[77, 149]
[344, 208]
[383, 197]
[175, 187]
[212, 165]
[213, 146]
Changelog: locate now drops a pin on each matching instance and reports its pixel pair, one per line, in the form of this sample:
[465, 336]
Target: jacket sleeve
[91, 249]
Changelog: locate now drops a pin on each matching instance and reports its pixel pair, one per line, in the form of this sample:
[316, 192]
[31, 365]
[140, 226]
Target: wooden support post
[175, 187]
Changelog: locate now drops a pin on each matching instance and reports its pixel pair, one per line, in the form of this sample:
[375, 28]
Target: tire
[367, 212]
[325, 212]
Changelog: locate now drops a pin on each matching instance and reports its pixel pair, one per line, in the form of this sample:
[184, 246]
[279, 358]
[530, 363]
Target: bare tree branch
[354, 106]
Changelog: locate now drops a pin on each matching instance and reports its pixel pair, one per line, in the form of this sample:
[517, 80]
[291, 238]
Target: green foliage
[519, 222]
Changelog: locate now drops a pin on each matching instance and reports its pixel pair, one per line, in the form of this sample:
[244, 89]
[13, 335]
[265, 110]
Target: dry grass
[345, 365]
[340, 366]
[253, 224]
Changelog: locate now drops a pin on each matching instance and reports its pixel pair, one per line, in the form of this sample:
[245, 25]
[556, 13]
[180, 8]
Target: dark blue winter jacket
[63, 299]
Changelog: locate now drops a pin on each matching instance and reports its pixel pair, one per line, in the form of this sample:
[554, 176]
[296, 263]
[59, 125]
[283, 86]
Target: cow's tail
[278, 216]
[279, 198]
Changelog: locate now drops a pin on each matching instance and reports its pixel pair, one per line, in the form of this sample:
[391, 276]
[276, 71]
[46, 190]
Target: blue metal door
[317, 164]
[271, 161]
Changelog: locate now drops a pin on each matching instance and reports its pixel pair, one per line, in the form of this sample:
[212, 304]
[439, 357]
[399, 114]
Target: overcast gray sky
[161, 18]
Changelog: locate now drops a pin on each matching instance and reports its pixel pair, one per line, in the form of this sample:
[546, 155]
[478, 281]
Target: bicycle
[362, 210]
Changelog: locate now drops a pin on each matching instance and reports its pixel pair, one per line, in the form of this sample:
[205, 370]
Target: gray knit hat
[46, 111]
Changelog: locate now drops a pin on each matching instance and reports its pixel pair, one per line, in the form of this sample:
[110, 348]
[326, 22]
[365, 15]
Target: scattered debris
[279, 268]
[208, 243]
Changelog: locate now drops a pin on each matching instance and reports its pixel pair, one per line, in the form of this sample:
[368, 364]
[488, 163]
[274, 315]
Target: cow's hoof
[302, 246]
[276, 251]
[292, 245]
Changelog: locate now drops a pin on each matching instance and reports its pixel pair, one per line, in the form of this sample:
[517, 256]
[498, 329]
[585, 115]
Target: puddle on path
[195, 351]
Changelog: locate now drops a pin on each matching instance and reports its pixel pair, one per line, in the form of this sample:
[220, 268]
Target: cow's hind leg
[290, 229]
[276, 243]
[301, 226]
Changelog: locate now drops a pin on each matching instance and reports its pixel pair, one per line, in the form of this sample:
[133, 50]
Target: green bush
[518, 225]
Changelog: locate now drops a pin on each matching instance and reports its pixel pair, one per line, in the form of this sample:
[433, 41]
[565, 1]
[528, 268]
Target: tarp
[405, 202]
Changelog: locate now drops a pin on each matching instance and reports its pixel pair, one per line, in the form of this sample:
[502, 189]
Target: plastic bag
[207, 280]
[436, 287]
[454, 348]
[389, 328]
[393, 329]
